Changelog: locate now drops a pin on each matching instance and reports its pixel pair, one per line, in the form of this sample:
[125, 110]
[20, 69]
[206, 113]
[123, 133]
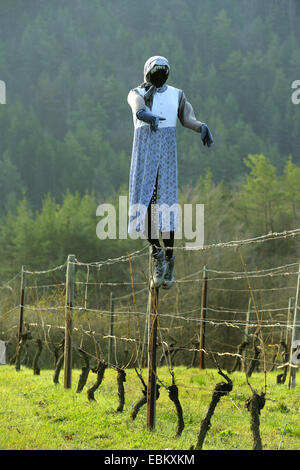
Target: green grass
[37, 414]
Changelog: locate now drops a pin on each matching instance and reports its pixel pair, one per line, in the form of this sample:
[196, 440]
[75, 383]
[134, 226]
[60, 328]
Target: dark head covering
[153, 64]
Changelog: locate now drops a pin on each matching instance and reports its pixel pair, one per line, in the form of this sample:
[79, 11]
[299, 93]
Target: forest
[71, 300]
[66, 127]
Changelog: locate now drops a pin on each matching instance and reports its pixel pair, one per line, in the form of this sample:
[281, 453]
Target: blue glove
[206, 136]
[150, 118]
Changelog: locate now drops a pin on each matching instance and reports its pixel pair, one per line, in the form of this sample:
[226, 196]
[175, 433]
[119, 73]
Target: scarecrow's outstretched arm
[187, 116]
[188, 119]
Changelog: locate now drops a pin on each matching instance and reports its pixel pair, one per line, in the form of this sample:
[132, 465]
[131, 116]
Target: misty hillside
[68, 67]
[66, 127]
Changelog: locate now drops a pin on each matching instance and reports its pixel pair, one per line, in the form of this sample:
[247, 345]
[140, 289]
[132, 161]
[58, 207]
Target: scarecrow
[153, 194]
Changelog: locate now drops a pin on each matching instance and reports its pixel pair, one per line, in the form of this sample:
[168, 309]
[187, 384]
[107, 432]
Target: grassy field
[36, 414]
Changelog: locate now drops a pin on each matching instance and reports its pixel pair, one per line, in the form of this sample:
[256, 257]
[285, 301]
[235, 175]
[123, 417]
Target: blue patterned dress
[154, 154]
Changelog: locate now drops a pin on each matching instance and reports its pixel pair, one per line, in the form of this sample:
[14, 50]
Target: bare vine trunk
[221, 389]
[173, 395]
[121, 378]
[254, 405]
[84, 371]
[99, 370]
[36, 369]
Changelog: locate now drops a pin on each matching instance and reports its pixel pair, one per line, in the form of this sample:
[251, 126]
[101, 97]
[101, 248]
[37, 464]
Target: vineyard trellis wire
[240, 309]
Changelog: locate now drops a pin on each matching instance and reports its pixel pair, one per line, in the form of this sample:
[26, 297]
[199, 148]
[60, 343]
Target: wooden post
[203, 317]
[21, 319]
[111, 330]
[70, 279]
[295, 334]
[291, 308]
[152, 340]
[248, 320]
[146, 329]
[144, 358]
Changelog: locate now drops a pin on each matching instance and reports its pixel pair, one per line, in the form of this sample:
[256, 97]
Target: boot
[169, 274]
[159, 268]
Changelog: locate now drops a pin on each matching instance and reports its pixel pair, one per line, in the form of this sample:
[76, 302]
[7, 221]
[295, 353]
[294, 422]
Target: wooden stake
[70, 279]
[295, 334]
[248, 320]
[21, 318]
[291, 308]
[152, 340]
[111, 330]
[203, 317]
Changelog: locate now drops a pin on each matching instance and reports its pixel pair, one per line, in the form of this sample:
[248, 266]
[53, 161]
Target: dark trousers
[168, 237]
